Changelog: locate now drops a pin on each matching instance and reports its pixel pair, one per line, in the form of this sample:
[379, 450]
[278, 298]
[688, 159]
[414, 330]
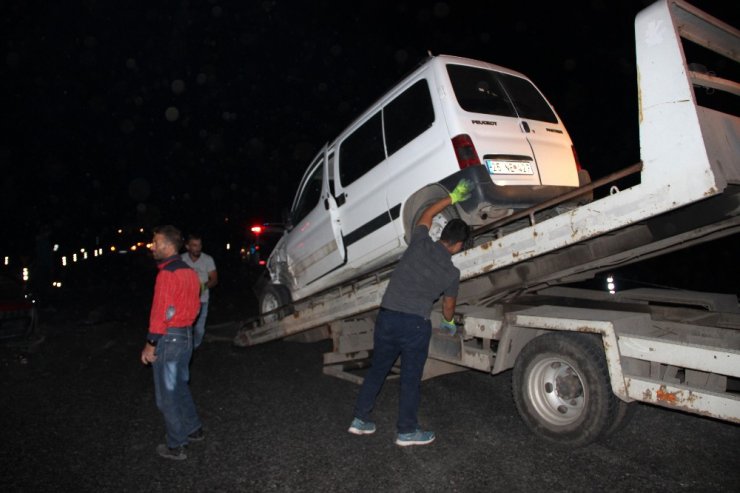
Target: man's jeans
[397, 334]
[171, 389]
[199, 329]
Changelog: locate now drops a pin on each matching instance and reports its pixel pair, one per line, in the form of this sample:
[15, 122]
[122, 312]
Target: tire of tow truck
[562, 390]
[622, 417]
[275, 297]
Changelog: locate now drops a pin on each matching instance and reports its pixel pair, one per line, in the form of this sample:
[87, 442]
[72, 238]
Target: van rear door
[545, 133]
[508, 120]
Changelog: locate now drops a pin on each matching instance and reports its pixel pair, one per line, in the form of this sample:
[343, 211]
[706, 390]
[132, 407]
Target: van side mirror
[287, 219]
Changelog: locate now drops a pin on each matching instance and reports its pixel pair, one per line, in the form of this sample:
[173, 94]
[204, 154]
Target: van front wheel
[275, 302]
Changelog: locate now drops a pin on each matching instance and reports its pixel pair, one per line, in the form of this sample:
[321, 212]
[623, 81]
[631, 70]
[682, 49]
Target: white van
[452, 118]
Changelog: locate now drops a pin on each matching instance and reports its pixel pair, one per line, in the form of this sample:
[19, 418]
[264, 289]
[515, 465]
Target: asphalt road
[78, 414]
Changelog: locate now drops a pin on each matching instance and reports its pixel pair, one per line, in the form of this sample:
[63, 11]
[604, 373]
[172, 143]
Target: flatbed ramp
[565, 248]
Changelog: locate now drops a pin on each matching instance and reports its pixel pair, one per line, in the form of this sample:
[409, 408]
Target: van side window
[309, 195]
[330, 170]
[361, 151]
[408, 116]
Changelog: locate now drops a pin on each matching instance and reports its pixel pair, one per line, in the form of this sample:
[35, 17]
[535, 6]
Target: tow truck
[580, 358]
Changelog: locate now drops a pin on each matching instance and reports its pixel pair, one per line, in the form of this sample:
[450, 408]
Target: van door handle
[525, 127]
[341, 199]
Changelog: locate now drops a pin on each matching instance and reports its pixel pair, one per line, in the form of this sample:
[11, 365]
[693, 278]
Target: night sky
[190, 112]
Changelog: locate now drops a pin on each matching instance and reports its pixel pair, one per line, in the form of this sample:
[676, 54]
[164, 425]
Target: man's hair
[455, 230]
[171, 234]
[195, 236]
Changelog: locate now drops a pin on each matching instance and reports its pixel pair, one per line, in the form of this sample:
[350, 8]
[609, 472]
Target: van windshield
[494, 93]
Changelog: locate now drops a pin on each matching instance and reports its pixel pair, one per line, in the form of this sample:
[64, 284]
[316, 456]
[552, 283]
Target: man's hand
[449, 326]
[461, 192]
[147, 354]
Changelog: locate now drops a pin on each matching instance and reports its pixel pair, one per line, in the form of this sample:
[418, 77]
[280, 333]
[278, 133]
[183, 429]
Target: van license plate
[508, 167]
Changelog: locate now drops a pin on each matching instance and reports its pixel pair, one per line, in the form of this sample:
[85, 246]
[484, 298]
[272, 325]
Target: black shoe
[177, 453]
[197, 435]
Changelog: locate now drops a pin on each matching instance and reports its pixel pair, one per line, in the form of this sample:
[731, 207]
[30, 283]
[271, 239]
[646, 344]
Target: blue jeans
[199, 329]
[397, 334]
[171, 388]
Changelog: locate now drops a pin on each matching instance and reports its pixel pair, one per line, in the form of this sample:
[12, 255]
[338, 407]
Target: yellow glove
[448, 326]
[461, 191]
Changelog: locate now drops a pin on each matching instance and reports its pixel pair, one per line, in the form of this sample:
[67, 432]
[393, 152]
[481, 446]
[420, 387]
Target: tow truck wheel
[273, 297]
[623, 415]
[561, 388]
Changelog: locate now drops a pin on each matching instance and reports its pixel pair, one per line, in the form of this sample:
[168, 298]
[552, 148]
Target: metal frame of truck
[579, 358]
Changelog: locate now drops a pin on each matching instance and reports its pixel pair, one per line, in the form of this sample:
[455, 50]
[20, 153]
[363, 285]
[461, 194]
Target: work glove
[461, 191]
[448, 326]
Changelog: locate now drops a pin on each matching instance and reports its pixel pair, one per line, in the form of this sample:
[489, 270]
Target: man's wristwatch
[152, 342]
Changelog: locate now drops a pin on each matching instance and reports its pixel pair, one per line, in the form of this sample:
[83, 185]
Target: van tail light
[465, 151]
[575, 156]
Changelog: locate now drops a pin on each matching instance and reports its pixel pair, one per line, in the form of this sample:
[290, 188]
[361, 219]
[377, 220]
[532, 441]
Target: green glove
[203, 287]
[461, 191]
[449, 326]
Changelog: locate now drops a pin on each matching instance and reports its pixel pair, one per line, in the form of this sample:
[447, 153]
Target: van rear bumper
[486, 195]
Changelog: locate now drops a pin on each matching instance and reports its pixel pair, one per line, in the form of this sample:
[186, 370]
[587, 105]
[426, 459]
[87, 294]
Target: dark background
[92, 143]
[205, 113]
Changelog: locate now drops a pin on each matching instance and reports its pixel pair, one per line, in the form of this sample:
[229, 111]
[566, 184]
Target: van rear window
[494, 93]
